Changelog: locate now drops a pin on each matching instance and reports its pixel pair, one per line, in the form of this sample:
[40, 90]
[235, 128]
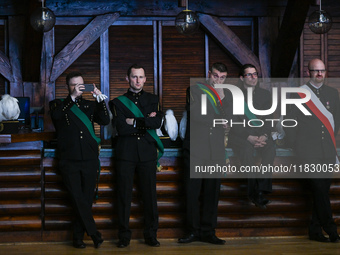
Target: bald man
[313, 144]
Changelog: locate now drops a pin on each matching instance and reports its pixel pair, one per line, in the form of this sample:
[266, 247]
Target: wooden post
[47, 87]
[16, 31]
[289, 37]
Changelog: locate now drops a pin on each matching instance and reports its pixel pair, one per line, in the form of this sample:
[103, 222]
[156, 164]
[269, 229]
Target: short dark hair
[244, 67]
[134, 66]
[219, 67]
[72, 75]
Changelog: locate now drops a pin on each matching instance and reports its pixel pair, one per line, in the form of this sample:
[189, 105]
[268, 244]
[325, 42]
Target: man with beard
[313, 139]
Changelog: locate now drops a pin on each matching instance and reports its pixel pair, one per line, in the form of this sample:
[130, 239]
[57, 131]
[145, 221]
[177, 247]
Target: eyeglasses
[248, 75]
[317, 71]
[216, 77]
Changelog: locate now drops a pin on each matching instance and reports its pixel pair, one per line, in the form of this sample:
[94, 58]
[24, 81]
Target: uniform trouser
[256, 181]
[146, 177]
[321, 211]
[201, 193]
[80, 180]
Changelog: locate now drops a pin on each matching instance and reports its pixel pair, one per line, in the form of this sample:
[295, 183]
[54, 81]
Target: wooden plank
[229, 40]
[80, 43]
[5, 67]
[289, 35]
[26, 137]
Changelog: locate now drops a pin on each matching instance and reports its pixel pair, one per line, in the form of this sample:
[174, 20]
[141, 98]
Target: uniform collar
[314, 89]
[133, 94]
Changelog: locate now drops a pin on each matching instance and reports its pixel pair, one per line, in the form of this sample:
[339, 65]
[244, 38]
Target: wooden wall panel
[333, 46]
[130, 45]
[183, 58]
[311, 48]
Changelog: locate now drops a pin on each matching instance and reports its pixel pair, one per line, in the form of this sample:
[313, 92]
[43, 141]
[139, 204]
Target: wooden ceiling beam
[229, 40]
[80, 43]
[289, 37]
[5, 67]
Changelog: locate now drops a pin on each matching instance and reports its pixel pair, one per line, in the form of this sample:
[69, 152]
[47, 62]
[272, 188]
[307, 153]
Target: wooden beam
[47, 88]
[158, 8]
[268, 31]
[148, 7]
[105, 63]
[229, 40]
[80, 43]
[289, 37]
[16, 32]
[5, 67]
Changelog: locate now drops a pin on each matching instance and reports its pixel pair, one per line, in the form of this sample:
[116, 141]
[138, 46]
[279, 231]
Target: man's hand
[130, 121]
[256, 141]
[153, 114]
[77, 92]
[97, 94]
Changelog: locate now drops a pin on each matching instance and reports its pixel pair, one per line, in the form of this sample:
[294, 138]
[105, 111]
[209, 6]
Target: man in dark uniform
[78, 152]
[203, 146]
[246, 139]
[136, 116]
[314, 144]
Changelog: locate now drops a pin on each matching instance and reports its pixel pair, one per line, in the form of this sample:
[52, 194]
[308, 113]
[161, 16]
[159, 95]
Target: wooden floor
[234, 246]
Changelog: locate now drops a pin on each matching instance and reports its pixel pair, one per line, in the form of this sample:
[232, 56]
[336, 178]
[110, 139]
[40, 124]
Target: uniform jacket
[310, 138]
[261, 101]
[202, 138]
[73, 138]
[134, 143]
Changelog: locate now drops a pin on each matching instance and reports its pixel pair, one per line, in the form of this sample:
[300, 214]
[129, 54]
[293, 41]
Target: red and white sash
[320, 111]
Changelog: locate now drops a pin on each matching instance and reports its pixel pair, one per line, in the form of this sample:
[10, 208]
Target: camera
[88, 87]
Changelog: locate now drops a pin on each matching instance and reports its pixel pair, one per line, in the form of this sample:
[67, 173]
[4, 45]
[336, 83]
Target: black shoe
[259, 200]
[79, 244]
[189, 238]
[122, 243]
[212, 239]
[334, 238]
[319, 238]
[97, 239]
[152, 241]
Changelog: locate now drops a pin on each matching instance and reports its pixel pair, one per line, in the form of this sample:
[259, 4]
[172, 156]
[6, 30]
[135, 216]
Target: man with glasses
[203, 145]
[314, 142]
[247, 139]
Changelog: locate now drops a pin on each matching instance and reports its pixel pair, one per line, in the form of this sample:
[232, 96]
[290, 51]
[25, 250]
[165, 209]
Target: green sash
[83, 117]
[250, 115]
[138, 114]
[213, 100]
